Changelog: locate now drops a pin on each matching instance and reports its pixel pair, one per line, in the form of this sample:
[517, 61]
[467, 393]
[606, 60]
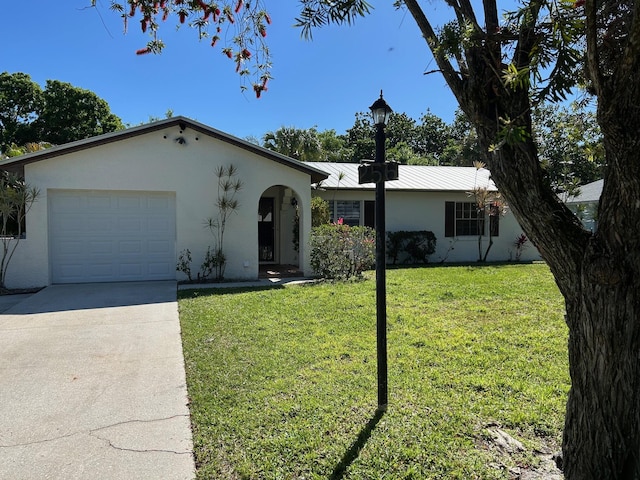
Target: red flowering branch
[239, 27]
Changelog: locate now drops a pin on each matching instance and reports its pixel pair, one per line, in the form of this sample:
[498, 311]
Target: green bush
[410, 246]
[340, 252]
[320, 214]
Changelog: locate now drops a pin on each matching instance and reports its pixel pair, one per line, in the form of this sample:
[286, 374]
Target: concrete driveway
[92, 385]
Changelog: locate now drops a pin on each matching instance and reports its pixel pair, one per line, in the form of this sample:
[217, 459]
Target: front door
[266, 230]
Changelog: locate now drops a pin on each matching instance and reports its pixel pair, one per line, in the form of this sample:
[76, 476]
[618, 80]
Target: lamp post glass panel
[381, 112]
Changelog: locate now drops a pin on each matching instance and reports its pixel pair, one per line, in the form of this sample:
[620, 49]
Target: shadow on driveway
[59, 298]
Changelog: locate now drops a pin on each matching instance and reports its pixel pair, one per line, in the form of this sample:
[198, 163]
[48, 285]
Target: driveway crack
[36, 442]
[95, 433]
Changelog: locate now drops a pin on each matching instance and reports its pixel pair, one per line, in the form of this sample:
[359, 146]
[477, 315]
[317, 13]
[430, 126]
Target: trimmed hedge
[410, 246]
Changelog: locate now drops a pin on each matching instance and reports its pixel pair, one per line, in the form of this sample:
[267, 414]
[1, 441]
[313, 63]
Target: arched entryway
[278, 232]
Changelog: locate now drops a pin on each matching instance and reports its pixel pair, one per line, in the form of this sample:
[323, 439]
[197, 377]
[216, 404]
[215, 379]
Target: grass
[282, 382]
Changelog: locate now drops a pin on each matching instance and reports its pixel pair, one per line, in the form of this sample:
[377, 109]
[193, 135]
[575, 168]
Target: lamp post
[381, 111]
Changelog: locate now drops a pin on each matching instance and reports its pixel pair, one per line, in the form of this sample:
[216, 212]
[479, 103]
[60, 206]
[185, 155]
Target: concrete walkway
[92, 384]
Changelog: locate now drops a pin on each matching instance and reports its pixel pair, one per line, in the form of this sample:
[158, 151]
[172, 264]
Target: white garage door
[111, 236]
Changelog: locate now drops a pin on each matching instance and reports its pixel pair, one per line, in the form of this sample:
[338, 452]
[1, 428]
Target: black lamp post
[381, 112]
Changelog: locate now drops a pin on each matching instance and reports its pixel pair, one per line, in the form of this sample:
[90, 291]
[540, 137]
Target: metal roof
[344, 176]
[588, 193]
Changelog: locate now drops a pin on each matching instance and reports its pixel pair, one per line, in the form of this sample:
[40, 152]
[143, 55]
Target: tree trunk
[599, 277]
[602, 426]
[602, 423]
[599, 274]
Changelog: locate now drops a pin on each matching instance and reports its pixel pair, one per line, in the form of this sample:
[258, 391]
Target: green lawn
[282, 382]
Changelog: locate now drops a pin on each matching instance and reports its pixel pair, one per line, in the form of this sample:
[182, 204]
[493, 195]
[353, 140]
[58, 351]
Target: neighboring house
[122, 206]
[585, 204]
[436, 199]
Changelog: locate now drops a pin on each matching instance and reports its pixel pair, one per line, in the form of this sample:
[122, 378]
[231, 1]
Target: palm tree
[301, 144]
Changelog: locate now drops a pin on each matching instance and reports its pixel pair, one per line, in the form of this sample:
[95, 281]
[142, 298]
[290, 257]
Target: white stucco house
[122, 206]
[435, 199]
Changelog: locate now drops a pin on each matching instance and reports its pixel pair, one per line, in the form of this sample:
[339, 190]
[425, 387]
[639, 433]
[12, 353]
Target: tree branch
[491, 16]
[629, 61]
[450, 75]
[593, 62]
[464, 12]
[527, 38]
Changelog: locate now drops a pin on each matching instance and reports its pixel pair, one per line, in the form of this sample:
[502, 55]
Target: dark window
[494, 221]
[348, 211]
[469, 220]
[369, 213]
[465, 219]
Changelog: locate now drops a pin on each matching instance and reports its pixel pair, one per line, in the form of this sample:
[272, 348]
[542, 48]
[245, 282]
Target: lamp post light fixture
[380, 172]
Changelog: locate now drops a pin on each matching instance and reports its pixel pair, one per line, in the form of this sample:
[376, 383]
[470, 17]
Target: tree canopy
[20, 101]
[301, 144]
[60, 113]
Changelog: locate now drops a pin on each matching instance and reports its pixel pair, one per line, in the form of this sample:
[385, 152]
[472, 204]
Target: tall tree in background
[432, 136]
[361, 138]
[20, 101]
[58, 114]
[462, 147]
[299, 143]
[499, 69]
[334, 147]
[407, 141]
[71, 113]
[570, 146]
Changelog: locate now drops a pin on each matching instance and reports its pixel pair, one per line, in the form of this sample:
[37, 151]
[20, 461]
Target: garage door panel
[159, 203]
[157, 224]
[95, 224]
[70, 247]
[72, 270]
[130, 247]
[111, 236]
[130, 225]
[64, 203]
[130, 269]
[100, 270]
[128, 203]
[99, 203]
[159, 247]
[100, 247]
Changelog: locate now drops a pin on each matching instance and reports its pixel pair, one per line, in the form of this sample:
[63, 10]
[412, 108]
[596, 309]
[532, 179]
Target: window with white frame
[466, 219]
[469, 219]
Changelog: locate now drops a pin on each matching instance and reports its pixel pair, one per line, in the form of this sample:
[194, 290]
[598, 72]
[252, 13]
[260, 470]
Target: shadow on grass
[219, 290]
[354, 450]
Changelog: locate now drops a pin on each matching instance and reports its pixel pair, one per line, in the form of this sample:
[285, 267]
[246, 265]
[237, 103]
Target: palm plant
[16, 199]
[226, 204]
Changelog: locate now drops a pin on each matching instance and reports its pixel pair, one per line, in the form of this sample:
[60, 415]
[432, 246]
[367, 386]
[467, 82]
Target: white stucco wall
[156, 162]
[426, 211]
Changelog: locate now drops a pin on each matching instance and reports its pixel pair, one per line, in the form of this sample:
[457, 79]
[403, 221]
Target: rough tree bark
[599, 274]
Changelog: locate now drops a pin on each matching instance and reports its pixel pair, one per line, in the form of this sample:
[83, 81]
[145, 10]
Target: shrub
[340, 252]
[213, 260]
[184, 263]
[320, 214]
[520, 244]
[410, 246]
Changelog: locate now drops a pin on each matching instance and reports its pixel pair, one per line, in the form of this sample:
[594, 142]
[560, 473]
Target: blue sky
[322, 82]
